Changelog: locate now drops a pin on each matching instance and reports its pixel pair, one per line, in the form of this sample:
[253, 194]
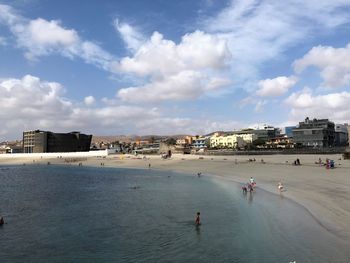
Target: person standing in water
[2, 221]
[198, 220]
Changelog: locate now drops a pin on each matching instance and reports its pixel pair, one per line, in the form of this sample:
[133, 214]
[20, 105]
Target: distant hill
[108, 139]
[129, 138]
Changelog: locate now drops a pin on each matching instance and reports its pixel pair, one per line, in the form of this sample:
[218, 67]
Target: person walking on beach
[280, 186]
[251, 189]
[197, 222]
[252, 182]
[244, 188]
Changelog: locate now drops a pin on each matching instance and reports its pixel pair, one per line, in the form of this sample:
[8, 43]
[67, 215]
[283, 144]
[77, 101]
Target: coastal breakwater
[56, 155]
[309, 151]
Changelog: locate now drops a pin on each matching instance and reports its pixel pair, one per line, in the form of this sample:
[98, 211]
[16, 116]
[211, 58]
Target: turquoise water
[80, 214]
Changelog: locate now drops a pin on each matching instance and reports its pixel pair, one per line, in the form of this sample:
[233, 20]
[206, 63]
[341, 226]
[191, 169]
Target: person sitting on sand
[198, 220]
[2, 221]
[280, 186]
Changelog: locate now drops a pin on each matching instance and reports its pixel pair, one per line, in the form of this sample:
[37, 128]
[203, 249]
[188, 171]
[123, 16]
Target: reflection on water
[250, 198]
[71, 214]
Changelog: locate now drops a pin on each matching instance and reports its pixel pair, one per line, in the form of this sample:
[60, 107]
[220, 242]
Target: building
[45, 141]
[341, 135]
[199, 142]
[281, 141]
[264, 134]
[314, 133]
[5, 149]
[348, 128]
[231, 140]
[288, 131]
[187, 140]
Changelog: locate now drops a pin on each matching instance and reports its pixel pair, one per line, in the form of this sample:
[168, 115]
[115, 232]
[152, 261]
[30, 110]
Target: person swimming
[198, 220]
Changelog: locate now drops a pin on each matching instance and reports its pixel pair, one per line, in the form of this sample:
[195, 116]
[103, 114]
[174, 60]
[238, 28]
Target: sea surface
[82, 214]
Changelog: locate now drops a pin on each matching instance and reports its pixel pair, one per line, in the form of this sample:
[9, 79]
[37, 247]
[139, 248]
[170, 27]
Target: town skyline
[155, 67]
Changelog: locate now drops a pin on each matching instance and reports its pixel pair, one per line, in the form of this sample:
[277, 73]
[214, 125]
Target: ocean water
[81, 214]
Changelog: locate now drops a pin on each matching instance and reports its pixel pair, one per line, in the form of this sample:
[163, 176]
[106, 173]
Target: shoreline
[323, 193]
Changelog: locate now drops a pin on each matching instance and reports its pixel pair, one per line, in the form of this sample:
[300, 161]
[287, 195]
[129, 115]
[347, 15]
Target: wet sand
[325, 193]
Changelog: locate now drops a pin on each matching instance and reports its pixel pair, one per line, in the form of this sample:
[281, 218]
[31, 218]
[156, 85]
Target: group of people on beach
[329, 164]
[249, 186]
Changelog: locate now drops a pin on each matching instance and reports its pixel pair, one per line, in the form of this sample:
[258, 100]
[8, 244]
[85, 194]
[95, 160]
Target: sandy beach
[325, 193]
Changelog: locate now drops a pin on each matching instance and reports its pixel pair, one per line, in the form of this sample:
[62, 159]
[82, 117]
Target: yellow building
[231, 141]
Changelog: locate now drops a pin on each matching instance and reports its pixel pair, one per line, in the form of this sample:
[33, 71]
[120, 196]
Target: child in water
[198, 220]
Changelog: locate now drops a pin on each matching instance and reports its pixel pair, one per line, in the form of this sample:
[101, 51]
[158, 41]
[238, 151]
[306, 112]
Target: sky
[116, 67]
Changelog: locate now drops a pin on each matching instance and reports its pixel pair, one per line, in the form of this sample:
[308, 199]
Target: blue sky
[170, 67]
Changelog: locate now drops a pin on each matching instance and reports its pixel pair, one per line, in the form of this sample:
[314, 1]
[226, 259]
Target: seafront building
[187, 140]
[341, 135]
[233, 141]
[280, 142]
[38, 141]
[315, 133]
[200, 142]
[263, 134]
[11, 148]
[288, 131]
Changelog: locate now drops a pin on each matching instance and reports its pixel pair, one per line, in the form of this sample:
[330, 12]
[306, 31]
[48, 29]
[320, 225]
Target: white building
[231, 141]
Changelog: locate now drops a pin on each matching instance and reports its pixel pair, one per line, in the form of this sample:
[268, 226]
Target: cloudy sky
[169, 67]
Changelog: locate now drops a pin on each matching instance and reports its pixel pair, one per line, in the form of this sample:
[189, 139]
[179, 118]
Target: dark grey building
[45, 141]
[314, 133]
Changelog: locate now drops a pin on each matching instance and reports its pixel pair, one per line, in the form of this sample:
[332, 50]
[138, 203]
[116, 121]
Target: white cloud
[275, 87]
[334, 106]
[31, 103]
[40, 37]
[258, 31]
[333, 63]
[3, 41]
[259, 107]
[131, 36]
[89, 100]
[159, 57]
[177, 71]
[51, 33]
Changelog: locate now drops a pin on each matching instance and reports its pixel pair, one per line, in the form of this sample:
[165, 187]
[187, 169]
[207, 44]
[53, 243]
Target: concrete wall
[55, 155]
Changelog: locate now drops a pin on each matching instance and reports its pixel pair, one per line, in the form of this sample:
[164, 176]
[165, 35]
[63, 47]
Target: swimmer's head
[198, 213]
